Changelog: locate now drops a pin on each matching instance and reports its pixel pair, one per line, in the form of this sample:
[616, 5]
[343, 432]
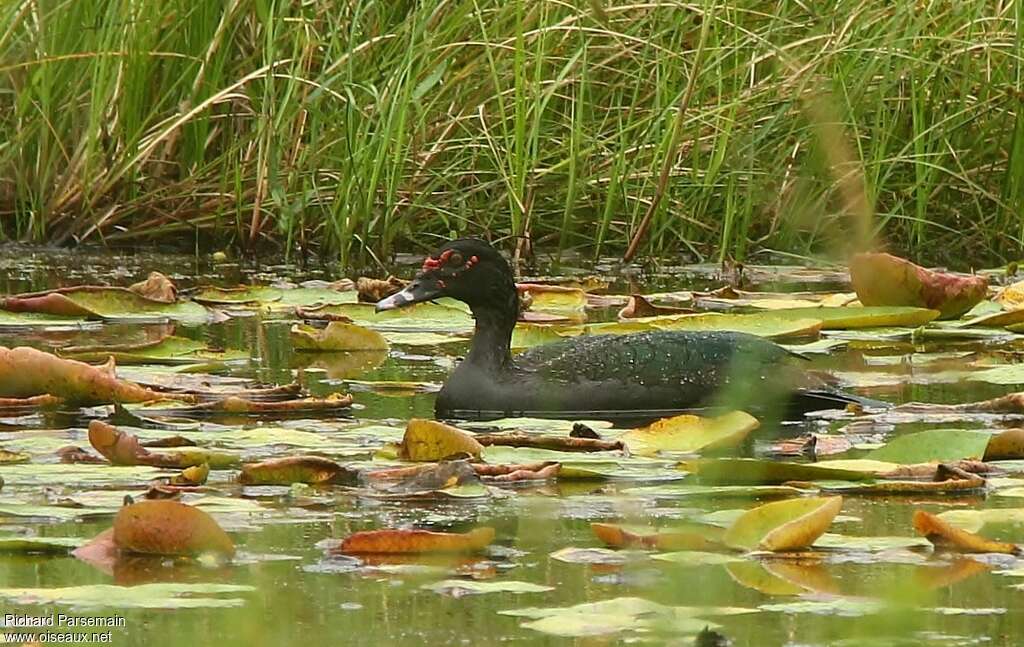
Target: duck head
[467, 269]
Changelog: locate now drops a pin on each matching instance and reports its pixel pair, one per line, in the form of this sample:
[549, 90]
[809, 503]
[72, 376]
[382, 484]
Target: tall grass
[359, 127]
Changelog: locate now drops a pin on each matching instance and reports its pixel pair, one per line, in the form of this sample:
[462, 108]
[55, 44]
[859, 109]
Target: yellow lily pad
[792, 524]
[689, 433]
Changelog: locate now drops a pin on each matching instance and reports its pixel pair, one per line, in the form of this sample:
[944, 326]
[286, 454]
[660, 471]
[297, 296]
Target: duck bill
[415, 292]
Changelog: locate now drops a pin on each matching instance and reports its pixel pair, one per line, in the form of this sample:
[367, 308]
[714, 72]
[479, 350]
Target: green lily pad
[617, 615]
[168, 351]
[78, 474]
[168, 595]
[426, 316]
[459, 588]
[528, 335]
[933, 445]
[792, 524]
[766, 324]
[871, 544]
[110, 303]
[767, 472]
[337, 336]
[847, 317]
[39, 544]
[696, 558]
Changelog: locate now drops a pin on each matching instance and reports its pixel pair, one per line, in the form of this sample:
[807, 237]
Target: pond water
[879, 592]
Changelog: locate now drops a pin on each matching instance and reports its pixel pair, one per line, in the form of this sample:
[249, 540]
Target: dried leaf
[314, 470]
[27, 372]
[694, 537]
[156, 287]
[945, 536]
[1005, 445]
[416, 541]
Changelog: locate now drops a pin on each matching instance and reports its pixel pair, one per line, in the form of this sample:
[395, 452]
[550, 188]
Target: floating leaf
[616, 615]
[337, 336]
[431, 316]
[314, 470]
[933, 445]
[1012, 296]
[527, 335]
[638, 307]
[853, 317]
[696, 558]
[416, 541]
[9, 457]
[791, 524]
[886, 280]
[1005, 445]
[39, 544]
[169, 528]
[996, 319]
[689, 537]
[949, 537]
[104, 303]
[163, 595]
[761, 471]
[688, 433]
[460, 588]
[26, 372]
[167, 351]
[429, 440]
[761, 324]
[578, 555]
[988, 521]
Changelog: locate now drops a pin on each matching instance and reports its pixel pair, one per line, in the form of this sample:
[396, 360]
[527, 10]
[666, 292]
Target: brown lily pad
[27, 372]
[416, 541]
[166, 527]
[949, 537]
[314, 470]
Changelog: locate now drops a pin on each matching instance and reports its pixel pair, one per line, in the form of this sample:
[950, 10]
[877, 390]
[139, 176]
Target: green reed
[362, 128]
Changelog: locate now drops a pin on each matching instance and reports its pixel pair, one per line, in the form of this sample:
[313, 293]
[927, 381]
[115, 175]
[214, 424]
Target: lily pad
[766, 324]
[459, 588]
[886, 280]
[853, 317]
[791, 524]
[337, 336]
[933, 445]
[165, 595]
[690, 434]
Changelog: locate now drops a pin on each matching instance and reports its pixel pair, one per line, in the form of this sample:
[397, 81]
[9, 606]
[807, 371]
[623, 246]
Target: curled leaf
[949, 537]
[1006, 445]
[693, 537]
[27, 372]
[886, 280]
[429, 440]
[169, 528]
[337, 336]
[792, 524]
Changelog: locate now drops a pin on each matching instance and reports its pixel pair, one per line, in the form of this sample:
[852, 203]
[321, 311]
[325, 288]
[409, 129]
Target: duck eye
[455, 259]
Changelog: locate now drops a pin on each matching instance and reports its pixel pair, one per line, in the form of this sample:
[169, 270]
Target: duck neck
[492, 338]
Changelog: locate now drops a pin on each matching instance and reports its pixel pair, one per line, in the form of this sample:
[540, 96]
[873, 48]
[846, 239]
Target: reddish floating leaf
[886, 280]
[416, 541]
[169, 528]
